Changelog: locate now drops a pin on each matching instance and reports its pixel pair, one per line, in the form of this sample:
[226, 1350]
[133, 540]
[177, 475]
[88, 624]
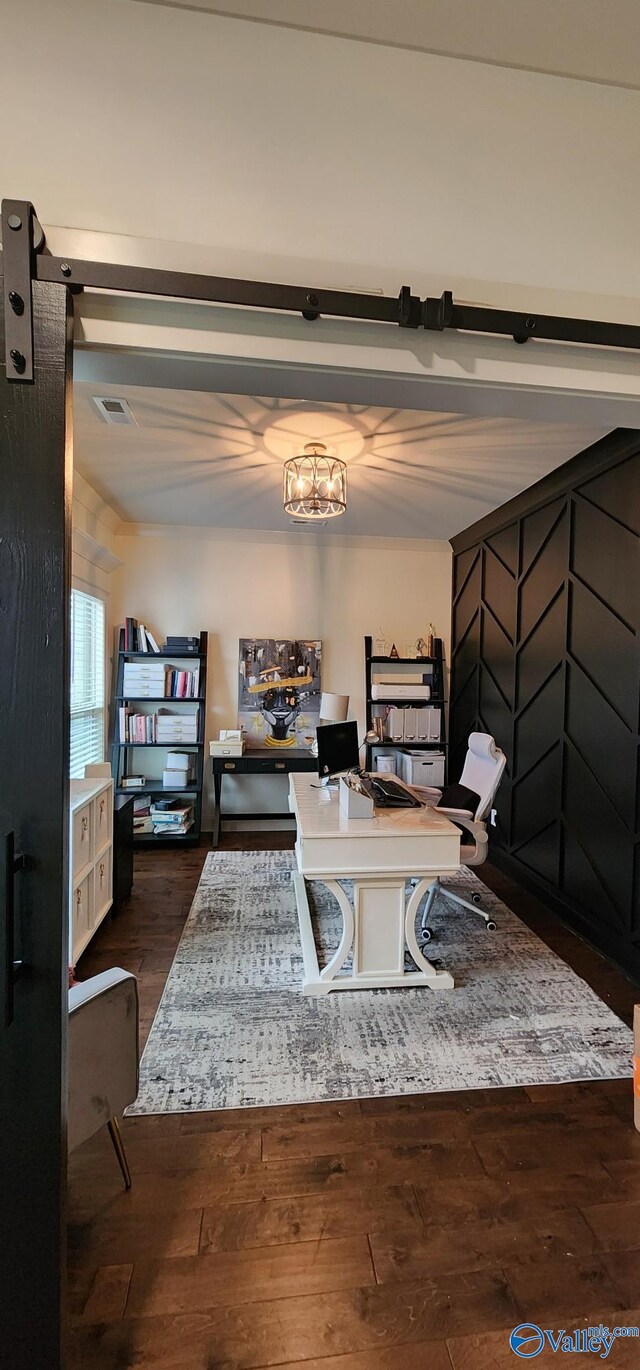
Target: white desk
[379, 855]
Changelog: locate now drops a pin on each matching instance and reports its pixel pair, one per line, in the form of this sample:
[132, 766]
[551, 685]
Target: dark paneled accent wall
[545, 657]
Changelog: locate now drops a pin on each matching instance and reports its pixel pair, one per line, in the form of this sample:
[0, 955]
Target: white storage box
[175, 780]
[422, 768]
[231, 748]
[179, 761]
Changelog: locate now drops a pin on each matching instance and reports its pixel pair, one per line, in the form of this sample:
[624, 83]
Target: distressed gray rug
[234, 1030]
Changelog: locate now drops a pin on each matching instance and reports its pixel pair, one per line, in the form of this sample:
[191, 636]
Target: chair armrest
[86, 990]
[103, 1051]
[477, 830]
[428, 793]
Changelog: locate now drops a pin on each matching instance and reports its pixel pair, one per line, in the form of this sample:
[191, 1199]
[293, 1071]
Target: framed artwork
[279, 691]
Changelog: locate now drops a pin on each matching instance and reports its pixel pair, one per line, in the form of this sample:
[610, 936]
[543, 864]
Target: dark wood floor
[388, 1234]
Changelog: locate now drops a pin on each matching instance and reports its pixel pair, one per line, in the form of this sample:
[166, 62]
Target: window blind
[87, 681]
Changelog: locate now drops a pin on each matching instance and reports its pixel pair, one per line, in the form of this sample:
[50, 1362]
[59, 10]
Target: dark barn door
[35, 497]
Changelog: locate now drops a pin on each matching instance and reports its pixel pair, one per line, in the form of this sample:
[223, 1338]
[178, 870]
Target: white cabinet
[90, 859]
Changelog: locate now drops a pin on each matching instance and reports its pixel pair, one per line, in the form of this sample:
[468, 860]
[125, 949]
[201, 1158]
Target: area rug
[234, 1030]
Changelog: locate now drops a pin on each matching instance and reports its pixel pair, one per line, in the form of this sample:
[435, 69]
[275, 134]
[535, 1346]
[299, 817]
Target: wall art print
[279, 691]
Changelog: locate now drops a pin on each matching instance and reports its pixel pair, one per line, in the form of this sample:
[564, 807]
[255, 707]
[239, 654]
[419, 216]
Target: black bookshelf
[434, 667]
[122, 752]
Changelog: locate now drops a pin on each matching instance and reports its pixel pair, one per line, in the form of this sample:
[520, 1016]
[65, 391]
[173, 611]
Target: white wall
[293, 153]
[242, 584]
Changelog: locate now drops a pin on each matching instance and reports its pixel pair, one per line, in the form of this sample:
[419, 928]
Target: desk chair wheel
[476, 898]
[425, 935]
[490, 925]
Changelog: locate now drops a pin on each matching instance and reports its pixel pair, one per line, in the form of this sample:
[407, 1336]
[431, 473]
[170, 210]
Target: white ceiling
[593, 40]
[211, 460]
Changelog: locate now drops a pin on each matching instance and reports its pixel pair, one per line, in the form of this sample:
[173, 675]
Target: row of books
[173, 820]
[158, 727]
[137, 638]
[159, 682]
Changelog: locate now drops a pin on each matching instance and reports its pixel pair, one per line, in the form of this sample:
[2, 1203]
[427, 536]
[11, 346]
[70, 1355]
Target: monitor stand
[334, 778]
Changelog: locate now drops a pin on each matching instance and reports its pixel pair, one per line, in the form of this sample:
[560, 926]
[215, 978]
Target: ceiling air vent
[308, 523]
[113, 410]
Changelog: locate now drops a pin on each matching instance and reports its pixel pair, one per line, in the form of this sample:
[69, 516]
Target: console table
[257, 761]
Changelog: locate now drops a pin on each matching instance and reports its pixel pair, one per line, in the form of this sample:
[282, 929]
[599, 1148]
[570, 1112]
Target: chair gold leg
[118, 1146]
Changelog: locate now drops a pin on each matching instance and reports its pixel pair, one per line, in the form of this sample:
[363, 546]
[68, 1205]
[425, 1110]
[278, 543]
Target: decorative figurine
[394, 653]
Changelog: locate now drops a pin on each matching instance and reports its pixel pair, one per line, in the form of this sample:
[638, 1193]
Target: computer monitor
[338, 748]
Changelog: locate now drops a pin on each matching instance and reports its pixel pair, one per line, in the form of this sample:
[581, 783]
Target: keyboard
[388, 793]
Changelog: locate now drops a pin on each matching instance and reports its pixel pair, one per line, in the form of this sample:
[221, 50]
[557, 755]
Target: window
[87, 681]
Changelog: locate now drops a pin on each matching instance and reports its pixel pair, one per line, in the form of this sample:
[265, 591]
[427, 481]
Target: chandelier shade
[315, 484]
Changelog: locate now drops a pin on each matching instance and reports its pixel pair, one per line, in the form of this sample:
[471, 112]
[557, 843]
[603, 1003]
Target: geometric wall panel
[602, 552]
[540, 723]
[534, 801]
[535, 528]
[617, 493]
[462, 567]
[544, 577]
[545, 658]
[497, 654]
[505, 546]
[606, 650]
[583, 887]
[495, 713]
[604, 742]
[599, 830]
[541, 652]
[498, 593]
[541, 854]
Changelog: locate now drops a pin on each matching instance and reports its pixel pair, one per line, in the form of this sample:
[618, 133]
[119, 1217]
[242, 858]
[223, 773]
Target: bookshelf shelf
[177, 746]
[121, 751]
[160, 699]
[433, 668]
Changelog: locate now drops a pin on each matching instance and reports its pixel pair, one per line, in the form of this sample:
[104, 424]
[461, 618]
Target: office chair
[481, 774]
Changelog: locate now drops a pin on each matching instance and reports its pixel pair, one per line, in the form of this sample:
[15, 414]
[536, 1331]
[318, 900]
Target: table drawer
[102, 819]
[271, 765]
[229, 765]
[82, 837]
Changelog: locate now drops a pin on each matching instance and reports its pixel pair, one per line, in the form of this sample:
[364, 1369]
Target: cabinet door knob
[85, 824]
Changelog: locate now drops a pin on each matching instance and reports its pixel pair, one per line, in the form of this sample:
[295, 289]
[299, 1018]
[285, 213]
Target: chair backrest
[482, 770]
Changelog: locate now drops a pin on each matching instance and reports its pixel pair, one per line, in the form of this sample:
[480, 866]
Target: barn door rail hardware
[25, 259]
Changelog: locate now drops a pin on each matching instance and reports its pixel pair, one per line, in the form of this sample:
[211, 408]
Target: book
[142, 638]
[152, 642]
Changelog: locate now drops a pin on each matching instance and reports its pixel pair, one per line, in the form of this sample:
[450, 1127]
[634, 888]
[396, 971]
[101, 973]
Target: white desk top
[320, 816]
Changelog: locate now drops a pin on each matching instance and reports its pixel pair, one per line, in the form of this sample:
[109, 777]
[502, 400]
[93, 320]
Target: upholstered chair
[103, 1057]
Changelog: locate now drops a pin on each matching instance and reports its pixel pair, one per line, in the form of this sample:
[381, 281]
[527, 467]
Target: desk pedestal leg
[376, 928]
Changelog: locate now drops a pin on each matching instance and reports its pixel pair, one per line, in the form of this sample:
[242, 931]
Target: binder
[395, 725]
[410, 724]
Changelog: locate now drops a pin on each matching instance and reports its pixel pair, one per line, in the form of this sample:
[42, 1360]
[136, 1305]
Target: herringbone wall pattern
[545, 657]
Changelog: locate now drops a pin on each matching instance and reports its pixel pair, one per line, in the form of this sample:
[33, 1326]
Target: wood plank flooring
[382, 1234]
